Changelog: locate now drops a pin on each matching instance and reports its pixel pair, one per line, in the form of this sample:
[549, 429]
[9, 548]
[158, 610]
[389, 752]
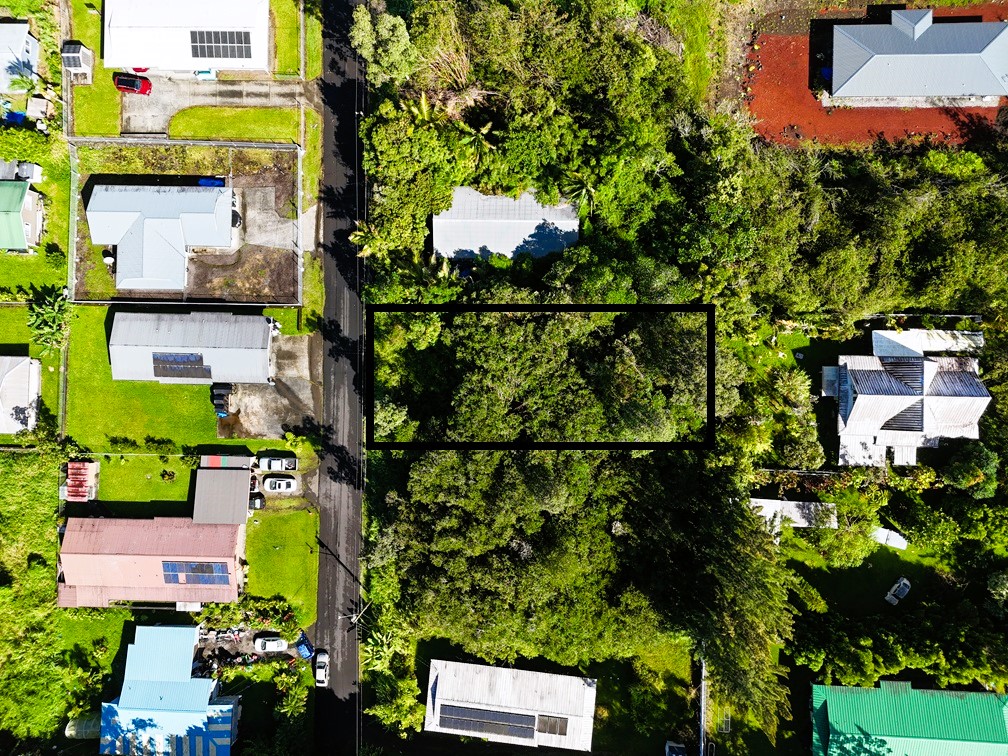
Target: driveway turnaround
[151, 114]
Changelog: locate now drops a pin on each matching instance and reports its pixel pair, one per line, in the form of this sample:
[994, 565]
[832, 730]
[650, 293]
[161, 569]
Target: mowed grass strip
[286, 17]
[282, 551]
[96, 106]
[237, 124]
[98, 407]
[15, 339]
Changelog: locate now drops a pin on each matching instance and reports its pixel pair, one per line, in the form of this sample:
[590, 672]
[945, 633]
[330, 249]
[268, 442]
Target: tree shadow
[340, 464]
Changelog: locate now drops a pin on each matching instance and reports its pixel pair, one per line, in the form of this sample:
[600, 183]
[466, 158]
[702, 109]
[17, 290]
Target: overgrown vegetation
[584, 555]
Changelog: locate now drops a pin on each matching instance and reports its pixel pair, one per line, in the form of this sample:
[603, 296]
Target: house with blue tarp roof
[163, 709]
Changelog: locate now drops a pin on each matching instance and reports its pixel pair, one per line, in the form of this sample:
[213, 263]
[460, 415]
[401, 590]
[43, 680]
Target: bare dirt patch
[250, 274]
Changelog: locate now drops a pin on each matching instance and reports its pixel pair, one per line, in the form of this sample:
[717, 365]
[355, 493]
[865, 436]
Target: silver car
[899, 591]
[280, 484]
[322, 669]
[270, 645]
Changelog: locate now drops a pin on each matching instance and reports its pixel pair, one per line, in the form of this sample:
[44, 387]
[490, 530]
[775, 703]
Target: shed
[907, 722]
[20, 216]
[915, 57]
[78, 61]
[196, 347]
[478, 225]
[186, 35]
[222, 495]
[162, 708]
[510, 705]
[153, 227]
[20, 386]
[19, 55]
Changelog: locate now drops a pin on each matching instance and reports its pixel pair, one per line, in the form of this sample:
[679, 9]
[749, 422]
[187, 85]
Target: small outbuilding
[21, 215]
[222, 495]
[195, 347]
[20, 387]
[510, 705]
[478, 225]
[19, 56]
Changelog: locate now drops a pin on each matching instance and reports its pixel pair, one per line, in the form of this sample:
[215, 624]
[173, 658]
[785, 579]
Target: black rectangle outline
[370, 309]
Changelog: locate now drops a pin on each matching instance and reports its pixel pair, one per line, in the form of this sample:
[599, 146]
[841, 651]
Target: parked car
[322, 669]
[277, 464]
[280, 484]
[270, 645]
[131, 84]
[898, 591]
[256, 501]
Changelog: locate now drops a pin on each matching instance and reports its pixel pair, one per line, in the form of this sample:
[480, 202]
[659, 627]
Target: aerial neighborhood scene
[436, 377]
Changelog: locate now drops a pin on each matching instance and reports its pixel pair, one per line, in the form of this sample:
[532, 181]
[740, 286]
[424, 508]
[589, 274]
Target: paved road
[337, 716]
[153, 113]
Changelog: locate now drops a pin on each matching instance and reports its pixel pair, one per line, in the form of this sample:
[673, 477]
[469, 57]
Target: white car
[322, 669]
[268, 645]
[277, 464]
[280, 484]
[899, 590]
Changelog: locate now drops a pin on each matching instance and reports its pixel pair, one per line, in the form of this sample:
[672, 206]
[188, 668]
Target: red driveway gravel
[787, 112]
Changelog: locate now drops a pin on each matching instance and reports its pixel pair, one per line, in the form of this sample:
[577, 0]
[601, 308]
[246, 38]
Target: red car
[131, 84]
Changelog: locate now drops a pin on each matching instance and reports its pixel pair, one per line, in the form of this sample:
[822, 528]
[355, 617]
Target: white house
[19, 54]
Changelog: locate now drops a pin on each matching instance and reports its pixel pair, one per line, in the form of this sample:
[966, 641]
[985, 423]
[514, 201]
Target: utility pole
[703, 707]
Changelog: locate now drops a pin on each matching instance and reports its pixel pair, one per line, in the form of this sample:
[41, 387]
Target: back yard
[282, 552]
[15, 340]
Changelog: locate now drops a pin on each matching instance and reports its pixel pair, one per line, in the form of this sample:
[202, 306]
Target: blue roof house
[163, 709]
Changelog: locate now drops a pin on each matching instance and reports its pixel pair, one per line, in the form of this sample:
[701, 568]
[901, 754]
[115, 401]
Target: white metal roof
[477, 225]
[916, 342]
[913, 57]
[158, 34]
[801, 514]
[236, 348]
[19, 52]
[152, 227]
[537, 703]
[20, 384]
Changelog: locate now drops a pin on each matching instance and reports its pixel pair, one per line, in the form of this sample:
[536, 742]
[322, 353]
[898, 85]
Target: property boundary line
[169, 142]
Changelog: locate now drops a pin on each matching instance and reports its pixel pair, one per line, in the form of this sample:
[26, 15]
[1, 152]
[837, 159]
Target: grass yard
[313, 46]
[312, 162]
[282, 553]
[99, 408]
[96, 106]
[137, 478]
[239, 124]
[692, 22]
[24, 271]
[286, 17]
[314, 301]
[177, 159]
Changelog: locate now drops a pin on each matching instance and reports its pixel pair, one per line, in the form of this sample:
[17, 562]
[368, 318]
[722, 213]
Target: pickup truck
[278, 464]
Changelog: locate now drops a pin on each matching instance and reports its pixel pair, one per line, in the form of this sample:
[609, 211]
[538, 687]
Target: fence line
[167, 142]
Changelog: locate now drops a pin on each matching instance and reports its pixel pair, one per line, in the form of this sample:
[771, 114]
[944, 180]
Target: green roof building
[20, 216]
[896, 720]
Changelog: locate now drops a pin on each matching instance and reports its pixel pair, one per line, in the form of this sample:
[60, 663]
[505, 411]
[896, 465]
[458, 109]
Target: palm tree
[477, 141]
[424, 113]
[370, 240]
[577, 188]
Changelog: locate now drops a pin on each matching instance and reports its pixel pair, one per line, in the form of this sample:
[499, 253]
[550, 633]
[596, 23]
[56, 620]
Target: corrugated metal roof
[222, 495]
[916, 342]
[20, 384]
[912, 57]
[152, 227]
[162, 708]
[912, 722]
[12, 230]
[477, 225]
[162, 536]
[236, 348]
[514, 691]
[156, 34]
[801, 514]
[19, 52]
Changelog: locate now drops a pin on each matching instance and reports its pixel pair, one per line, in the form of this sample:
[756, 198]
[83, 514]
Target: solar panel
[195, 573]
[179, 365]
[487, 721]
[221, 44]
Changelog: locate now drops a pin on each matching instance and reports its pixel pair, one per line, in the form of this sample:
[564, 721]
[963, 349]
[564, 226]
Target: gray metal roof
[913, 57]
[510, 705]
[222, 495]
[20, 384]
[151, 227]
[19, 53]
[235, 348]
[478, 225]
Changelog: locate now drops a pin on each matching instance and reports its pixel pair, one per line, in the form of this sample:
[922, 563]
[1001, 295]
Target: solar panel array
[195, 573]
[220, 44]
[180, 365]
[552, 725]
[485, 721]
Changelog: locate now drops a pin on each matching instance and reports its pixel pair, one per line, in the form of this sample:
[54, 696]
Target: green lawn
[99, 408]
[313, 47]
[23, 271]
[312, 161]
[137, 478]
[282, 553]
[286, 33]
[314, 300]
[240, 124]
[95, 106]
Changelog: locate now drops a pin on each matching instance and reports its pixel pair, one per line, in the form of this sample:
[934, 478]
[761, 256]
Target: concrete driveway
[151, 114]
[261, 223]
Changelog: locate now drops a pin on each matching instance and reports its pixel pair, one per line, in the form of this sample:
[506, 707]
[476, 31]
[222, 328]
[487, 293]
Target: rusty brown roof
[162, 536]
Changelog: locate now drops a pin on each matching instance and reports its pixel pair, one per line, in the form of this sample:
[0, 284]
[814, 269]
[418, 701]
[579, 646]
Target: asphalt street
[337, 714]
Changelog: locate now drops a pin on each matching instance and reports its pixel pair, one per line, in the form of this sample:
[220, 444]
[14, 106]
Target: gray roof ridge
[983, 56]
[871, 56]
